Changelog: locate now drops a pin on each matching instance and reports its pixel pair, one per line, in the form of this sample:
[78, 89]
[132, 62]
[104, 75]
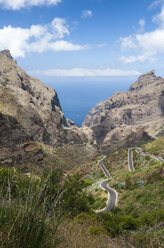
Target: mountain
[30, 111]
[31, 115]
[129, 118]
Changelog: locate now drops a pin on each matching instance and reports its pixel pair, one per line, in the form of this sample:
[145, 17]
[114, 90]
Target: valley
[100, 185]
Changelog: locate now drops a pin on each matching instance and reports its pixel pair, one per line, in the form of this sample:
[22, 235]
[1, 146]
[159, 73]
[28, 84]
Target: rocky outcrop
[129, 118]
[31, 111]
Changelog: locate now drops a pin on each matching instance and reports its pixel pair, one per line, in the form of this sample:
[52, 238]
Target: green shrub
[150, 219]
[75, 199]
[25, 221]
[147, 219]
[129, 223]
[148, 240]
[95, 230]
[37, 206]
[129, 184]
[116, 210]
[118, 223]
[118, 185]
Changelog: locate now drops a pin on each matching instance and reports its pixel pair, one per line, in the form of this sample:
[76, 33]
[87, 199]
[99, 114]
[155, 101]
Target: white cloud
[60, 28]
[82, 72]
[102, 45]
[150, 42]
[139, 58]
[156, 3]
[127, 42]
[160, 18]
[146, 46]
[18, 4]
[37, 38]
[142, 24]
[86, 13]
[62, 45]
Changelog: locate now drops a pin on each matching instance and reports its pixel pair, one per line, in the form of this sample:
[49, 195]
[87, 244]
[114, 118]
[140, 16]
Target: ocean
[78, 98]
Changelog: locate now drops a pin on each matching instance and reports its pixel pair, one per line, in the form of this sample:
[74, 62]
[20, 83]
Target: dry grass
[74, 236]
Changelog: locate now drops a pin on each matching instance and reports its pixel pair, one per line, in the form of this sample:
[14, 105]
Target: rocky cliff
[30, 111]
[31, 116]
[129, 118]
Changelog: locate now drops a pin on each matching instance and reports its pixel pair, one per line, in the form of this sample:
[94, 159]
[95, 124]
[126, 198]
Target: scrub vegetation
[57, 209]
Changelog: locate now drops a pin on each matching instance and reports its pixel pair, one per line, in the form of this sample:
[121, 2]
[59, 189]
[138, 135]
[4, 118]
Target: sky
[84, 40]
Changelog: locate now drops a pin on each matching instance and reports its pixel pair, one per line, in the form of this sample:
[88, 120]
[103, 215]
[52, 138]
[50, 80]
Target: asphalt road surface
[130, 159]
[102, 166]
[139, 150]
[112, 194]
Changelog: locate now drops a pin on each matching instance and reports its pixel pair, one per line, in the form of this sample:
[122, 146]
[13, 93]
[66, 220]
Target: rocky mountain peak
[6, 53]
[148, 74]
[144, 80]
[27, 106]
[131, 117]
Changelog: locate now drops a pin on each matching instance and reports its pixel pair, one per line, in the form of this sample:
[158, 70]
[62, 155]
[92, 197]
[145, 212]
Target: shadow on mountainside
[161, 102]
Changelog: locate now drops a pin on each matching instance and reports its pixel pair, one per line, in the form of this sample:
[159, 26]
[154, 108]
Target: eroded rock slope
[129, 118]
[30, 111]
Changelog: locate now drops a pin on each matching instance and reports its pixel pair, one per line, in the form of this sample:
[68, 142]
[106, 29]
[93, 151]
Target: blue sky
[81, 40]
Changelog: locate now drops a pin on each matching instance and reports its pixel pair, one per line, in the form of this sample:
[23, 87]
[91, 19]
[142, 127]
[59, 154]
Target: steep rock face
[129, 118]
[31, 111]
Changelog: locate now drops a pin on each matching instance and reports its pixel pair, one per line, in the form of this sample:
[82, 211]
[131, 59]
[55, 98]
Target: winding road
[112, 194]
[139, 150]
[102, 166]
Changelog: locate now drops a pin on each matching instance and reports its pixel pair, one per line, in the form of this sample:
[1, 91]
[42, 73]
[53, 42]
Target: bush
[36, 207]
[117, 222]
[118, 185]
[75, 199]
[95, 230]
[25, 221]
[147, 219]
[148, 240]
[129, 184]
[129, 223]
[150, 219]
[140, 183]
[116, 210]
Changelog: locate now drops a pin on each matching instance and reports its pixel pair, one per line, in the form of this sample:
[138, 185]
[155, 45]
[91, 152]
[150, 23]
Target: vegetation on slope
[32, 208]
[141, 196]
[57, 208]
[156, 147]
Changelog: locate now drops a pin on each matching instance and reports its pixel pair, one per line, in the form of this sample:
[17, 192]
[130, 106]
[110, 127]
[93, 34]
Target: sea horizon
[77, 99]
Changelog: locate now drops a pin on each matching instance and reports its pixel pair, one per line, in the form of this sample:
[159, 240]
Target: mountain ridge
[31, 112]
[127, 118]
[41, 103]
